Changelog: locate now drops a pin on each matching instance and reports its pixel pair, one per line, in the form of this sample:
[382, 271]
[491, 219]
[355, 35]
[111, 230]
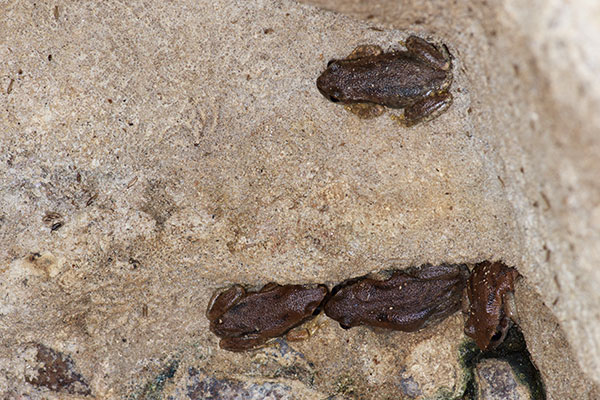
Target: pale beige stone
[187, 148]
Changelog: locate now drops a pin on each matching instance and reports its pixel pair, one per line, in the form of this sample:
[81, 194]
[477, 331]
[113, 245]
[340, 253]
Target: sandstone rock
[186, 148]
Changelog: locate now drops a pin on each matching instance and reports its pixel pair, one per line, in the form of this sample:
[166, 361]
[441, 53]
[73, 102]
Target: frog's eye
[333, 66]
[334, 99]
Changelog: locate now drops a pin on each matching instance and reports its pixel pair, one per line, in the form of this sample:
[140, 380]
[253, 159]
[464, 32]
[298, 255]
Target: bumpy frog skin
[417, 80]
[489, 304]
[406, 301]
[245, 320]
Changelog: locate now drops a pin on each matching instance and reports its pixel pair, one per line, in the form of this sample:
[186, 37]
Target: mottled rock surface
[497, 381]
[153, 152]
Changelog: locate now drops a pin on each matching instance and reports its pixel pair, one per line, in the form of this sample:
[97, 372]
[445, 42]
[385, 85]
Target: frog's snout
[326, 90]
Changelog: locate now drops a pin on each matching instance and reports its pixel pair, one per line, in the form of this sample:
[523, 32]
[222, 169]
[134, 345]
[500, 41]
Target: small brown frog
[406, 301]
[245, 320]
[417, 80]
[489, 303]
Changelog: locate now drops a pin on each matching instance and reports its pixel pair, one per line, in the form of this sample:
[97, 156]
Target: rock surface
[153, 152]
[497, 381]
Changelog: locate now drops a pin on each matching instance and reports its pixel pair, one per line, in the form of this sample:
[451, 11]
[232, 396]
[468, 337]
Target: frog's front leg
[426, 108]
[508, 317]
[509, 306]
[427, 52]
[365, 50]
[306, 330]
[365, 110]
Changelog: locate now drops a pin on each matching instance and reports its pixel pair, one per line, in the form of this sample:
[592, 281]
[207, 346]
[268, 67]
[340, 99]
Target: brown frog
[408, 300]
[244, 320]
[489, 303]
[417, 80]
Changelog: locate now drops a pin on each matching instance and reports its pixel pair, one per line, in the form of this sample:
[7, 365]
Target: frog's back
[394, 79]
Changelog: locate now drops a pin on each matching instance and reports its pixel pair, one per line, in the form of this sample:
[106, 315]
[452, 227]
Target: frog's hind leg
[426, 109]
[221, 300]
[365, 110]
[428, 52]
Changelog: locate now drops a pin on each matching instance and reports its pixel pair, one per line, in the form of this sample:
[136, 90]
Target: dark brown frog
[489, 303]
[417, 80]
[408, 300]
[245, 320]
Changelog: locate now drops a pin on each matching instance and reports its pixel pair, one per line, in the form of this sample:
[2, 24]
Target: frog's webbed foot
[306, 330]
[428, 52]
[366, 50]
[365, 110]
[426, 109]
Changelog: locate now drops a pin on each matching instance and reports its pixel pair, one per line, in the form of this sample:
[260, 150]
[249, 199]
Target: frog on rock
[245, 320]
[407, 300]
[417, 80]
[489, 303]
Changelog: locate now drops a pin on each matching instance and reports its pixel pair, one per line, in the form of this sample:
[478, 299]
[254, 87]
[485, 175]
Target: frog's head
[329, 81]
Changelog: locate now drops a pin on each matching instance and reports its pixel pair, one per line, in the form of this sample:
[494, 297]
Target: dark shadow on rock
[512, 351]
